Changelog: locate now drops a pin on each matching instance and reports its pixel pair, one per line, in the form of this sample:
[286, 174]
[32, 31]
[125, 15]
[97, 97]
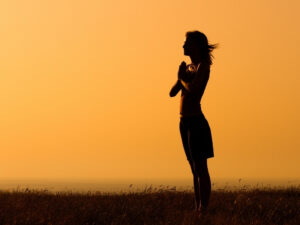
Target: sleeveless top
[196, 82]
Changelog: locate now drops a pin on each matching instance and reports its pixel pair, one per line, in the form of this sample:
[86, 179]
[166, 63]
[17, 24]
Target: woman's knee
[192, 167]
[200, 167]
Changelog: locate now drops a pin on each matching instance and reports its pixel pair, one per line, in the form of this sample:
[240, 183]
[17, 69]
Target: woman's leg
[196, 187]
[185, 135]
[204, 181]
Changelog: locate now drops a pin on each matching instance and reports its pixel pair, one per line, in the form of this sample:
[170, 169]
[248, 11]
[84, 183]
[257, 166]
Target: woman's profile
[194, 128]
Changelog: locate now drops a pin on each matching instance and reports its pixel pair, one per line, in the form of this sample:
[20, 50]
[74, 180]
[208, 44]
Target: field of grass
[263, 206]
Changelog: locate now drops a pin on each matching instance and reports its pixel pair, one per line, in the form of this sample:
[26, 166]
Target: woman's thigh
[199, 140]
[184, 133]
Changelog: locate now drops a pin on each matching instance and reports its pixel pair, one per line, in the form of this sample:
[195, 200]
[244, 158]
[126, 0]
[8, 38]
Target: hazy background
[84, 88]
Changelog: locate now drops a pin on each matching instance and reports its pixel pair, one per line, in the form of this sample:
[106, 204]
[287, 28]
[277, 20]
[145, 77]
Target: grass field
[263, 206]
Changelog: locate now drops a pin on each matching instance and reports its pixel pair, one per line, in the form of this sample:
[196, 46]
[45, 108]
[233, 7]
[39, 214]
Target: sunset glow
[85, 88]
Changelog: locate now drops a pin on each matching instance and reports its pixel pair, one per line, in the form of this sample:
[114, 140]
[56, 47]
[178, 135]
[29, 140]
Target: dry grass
[150, 207]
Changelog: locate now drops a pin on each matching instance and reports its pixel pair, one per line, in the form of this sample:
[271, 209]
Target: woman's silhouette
[194, 128]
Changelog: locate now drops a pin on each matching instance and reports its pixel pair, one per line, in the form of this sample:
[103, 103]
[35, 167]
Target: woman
[194, 128]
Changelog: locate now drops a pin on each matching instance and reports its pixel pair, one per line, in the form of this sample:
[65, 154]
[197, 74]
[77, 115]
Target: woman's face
[189, 47]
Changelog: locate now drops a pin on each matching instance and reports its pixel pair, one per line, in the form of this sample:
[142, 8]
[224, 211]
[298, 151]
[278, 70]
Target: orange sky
[84, 88]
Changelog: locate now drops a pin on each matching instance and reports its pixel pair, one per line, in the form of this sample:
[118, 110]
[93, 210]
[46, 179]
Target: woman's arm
[199, 81]
[180, 75]
[176, 88]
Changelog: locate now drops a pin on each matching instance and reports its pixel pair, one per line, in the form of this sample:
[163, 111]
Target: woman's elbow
[172, 94]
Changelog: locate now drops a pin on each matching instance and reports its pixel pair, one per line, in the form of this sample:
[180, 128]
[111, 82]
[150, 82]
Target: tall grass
[263, 206]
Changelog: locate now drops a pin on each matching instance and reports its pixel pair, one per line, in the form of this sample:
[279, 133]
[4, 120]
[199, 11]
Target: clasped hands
[183, 74]
[182, 71]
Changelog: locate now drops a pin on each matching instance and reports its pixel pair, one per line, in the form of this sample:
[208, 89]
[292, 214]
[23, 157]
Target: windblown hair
[202, 42]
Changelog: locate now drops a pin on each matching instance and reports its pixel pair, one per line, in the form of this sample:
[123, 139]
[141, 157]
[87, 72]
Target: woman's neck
[195, 60]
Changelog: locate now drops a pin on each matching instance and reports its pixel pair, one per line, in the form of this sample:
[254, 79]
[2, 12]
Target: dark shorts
[196, 137]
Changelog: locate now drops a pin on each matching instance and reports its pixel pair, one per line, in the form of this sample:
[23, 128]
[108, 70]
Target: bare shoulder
[204, 69]
[204, 65]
